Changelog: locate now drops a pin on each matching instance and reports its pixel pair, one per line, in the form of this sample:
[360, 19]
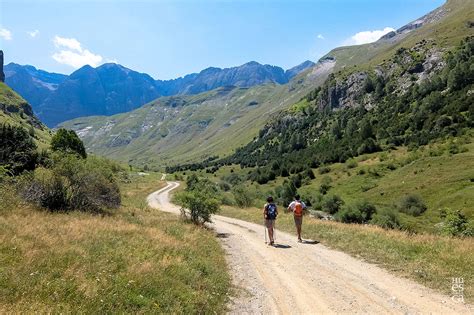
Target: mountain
[246, 75]
[105, 90]
[112, 88]
[32, 84]
[184, 128]
[446, 25]
[292, 72]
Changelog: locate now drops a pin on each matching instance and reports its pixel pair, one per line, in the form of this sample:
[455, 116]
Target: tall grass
[136, 260]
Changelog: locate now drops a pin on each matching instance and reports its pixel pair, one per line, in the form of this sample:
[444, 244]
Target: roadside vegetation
[76, 235]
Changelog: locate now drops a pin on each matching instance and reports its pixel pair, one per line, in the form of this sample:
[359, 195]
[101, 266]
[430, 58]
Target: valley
[122, 193]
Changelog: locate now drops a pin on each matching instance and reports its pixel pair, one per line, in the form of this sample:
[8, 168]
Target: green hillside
[446, 25]
[180, 129]
[15, 111]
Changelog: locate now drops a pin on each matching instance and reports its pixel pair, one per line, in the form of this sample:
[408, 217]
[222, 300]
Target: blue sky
[168, 39]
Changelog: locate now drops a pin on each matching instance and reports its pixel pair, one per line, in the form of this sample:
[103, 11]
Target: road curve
[306, 278]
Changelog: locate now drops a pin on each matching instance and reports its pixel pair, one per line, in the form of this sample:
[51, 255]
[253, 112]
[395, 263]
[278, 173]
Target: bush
[455, 223]
[72, 184]
[358, 213]
[386, 218]
[323, 169]
[349, 214]
[17, 150]
[351, 163]
[325, 185]
[366, 209]
[332, 204]
[412, 205]
[67, 141]
[200, 204]
[224, 186]
[243, 197]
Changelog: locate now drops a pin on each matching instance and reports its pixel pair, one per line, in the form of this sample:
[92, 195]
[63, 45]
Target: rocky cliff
[2, 74]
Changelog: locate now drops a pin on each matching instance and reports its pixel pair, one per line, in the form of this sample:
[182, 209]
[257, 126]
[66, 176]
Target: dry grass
[134, 260]
[429, 259]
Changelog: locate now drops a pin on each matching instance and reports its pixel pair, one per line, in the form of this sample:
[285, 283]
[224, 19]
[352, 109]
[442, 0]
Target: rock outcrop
[2, 75]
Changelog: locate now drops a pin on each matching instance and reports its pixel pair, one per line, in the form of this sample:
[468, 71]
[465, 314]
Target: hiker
[270, 213]
[297, 207]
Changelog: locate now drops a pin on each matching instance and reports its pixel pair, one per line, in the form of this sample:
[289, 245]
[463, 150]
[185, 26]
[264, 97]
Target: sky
[169, 39]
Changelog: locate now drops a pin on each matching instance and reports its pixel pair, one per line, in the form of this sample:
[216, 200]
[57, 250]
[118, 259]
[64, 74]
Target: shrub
[224, 186]
[351, 163]
[323, 169]
[72, 184]
[412, 205]
[67, 141]
[455, 223]
[358, 213]
[243, 197]
[366, 209]
[200, 204]
[386, 218]
[350, 214]
[325, 185]
[332, 204]
[17, 150]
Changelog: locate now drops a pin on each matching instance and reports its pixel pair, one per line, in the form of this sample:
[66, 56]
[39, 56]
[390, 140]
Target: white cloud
[73, 54]
[320, 36]
[33, 34]
[70, 43]
[367, 36]
[5, 34]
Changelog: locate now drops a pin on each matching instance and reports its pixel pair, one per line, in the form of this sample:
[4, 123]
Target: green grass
[428, 259]
[137, 260]
[12, 112]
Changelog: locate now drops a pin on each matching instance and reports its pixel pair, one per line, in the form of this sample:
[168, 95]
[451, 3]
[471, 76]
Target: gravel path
[308, 278]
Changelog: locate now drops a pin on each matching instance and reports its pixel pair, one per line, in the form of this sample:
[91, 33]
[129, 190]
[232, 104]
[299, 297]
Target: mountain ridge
[112, 88]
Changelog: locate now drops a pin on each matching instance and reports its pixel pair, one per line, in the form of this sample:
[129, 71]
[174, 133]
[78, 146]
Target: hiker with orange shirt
[297, 207]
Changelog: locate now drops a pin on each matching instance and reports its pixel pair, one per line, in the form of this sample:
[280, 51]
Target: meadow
[134, 259]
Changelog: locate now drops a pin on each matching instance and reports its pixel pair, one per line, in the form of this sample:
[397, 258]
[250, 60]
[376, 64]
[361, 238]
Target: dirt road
[308, 278]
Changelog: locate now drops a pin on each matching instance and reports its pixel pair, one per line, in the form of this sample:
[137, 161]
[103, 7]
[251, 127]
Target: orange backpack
[298, 212]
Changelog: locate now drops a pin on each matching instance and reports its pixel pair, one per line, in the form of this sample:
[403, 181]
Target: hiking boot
[300, 240]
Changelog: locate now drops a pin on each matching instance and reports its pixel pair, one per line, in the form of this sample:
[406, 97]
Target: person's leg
[270, 234]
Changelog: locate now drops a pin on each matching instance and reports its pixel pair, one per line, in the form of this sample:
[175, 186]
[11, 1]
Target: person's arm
[304, 205]
[265, 211]
[290, 206]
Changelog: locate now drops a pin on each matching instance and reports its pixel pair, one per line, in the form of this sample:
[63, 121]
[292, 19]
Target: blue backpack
[271, 211]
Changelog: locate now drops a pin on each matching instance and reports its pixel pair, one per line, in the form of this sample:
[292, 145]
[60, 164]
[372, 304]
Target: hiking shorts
[298, 220]
[269, 224]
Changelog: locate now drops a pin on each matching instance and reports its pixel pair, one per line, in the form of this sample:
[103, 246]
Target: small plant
[412, 205]
[349, 214]
[332, 204]
[386, 218]
[243, 197]
[323, 169]
[325, 185]
[455, 223]
[351, 163]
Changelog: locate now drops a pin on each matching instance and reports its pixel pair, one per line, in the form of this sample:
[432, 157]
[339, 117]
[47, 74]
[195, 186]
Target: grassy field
[440, 178]
[134, 260]
[428, 259]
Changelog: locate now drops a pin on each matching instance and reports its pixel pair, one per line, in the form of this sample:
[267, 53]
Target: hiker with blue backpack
[297, 207]
[270, 213]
